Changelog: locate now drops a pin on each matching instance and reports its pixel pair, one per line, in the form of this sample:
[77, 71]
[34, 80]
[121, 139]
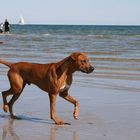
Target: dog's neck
[65, 65]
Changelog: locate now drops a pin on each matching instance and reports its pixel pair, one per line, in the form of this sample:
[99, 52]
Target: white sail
[21, 20]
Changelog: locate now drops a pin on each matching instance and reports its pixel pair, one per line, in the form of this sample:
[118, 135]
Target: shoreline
[104, 114]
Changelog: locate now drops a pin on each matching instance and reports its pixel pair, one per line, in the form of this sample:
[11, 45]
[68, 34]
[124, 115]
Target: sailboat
[21, 21]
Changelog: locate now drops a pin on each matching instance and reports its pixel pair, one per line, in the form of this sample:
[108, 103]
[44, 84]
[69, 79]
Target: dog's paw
[75, 113]
[59, 123]
[5, 108]
[75, 116]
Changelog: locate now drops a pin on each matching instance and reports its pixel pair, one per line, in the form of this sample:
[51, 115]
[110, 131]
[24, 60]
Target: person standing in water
[6, 26]
[1, 28]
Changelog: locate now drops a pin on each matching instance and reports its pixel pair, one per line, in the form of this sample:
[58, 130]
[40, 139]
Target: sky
[72, 12]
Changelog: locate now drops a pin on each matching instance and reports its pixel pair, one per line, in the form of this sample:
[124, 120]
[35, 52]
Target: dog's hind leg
[12, 101]
[4, 95]
[16, 83]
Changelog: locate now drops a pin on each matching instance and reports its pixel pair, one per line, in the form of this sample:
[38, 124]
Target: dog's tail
[6, 63]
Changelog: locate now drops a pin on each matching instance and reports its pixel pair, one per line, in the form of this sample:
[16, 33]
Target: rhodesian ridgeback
[54, 78]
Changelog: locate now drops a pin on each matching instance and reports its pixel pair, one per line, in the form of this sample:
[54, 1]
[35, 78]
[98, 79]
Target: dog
[53, 78]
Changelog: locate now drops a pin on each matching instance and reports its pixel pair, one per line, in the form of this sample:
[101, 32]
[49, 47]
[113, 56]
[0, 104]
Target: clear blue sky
[118, 12]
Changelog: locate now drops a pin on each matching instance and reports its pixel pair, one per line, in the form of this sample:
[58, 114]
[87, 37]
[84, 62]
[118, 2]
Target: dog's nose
[92, 68]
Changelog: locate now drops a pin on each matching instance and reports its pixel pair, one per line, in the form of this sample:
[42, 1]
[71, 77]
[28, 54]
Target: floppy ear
[63, 65]
[75, 56]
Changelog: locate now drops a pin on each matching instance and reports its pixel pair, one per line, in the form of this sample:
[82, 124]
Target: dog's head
[81, 62]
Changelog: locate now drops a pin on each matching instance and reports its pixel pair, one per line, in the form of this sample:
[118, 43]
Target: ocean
[109, 97]
[113, 50]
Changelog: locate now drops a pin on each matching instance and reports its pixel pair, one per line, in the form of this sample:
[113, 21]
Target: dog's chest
[64, 87]
[64, 82]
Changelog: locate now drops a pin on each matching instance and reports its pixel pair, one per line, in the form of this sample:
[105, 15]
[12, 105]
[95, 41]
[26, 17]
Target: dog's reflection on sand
[53, 134]
[8, 131]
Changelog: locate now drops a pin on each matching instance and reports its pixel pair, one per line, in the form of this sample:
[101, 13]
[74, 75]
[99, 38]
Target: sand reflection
[53, 134]
[9, 132]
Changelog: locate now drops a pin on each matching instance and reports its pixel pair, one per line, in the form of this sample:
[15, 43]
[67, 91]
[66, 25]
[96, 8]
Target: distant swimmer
[1, 28]
[6, 26]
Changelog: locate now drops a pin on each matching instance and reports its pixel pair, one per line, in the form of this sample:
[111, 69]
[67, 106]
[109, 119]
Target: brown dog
[54, 78]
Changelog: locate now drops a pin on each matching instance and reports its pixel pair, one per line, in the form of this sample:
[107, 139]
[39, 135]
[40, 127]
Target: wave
[104, 53]
[137, 35]
[109, 68]
[117, 59]
[47, 34]
[101, 36]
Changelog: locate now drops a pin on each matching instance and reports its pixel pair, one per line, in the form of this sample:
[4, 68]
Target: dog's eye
[83, 61]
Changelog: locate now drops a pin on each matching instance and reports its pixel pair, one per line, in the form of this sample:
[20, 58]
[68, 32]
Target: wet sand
[105, 114]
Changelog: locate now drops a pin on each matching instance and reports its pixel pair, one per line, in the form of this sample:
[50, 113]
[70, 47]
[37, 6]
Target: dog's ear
[75, 56]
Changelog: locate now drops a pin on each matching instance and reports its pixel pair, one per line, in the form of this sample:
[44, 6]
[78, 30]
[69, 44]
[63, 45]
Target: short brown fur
[54, 78]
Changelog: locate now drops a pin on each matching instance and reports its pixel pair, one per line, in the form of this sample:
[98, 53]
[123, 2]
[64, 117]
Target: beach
[104, 114]
[109, 97]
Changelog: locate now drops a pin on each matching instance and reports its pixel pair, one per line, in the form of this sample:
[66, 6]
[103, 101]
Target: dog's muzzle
[91, 69]
[88, 69]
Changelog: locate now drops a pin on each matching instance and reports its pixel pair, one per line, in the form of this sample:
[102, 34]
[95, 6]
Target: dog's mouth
[87, 70]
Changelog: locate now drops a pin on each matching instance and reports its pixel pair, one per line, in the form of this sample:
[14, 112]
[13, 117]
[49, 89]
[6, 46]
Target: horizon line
[77, 24]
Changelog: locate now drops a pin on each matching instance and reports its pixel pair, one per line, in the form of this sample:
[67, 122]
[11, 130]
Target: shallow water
[113, 50]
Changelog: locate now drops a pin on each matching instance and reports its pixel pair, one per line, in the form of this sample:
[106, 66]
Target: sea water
[114, 51]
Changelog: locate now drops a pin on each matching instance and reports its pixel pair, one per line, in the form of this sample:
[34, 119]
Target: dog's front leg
[53, 115]
[67, 97]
